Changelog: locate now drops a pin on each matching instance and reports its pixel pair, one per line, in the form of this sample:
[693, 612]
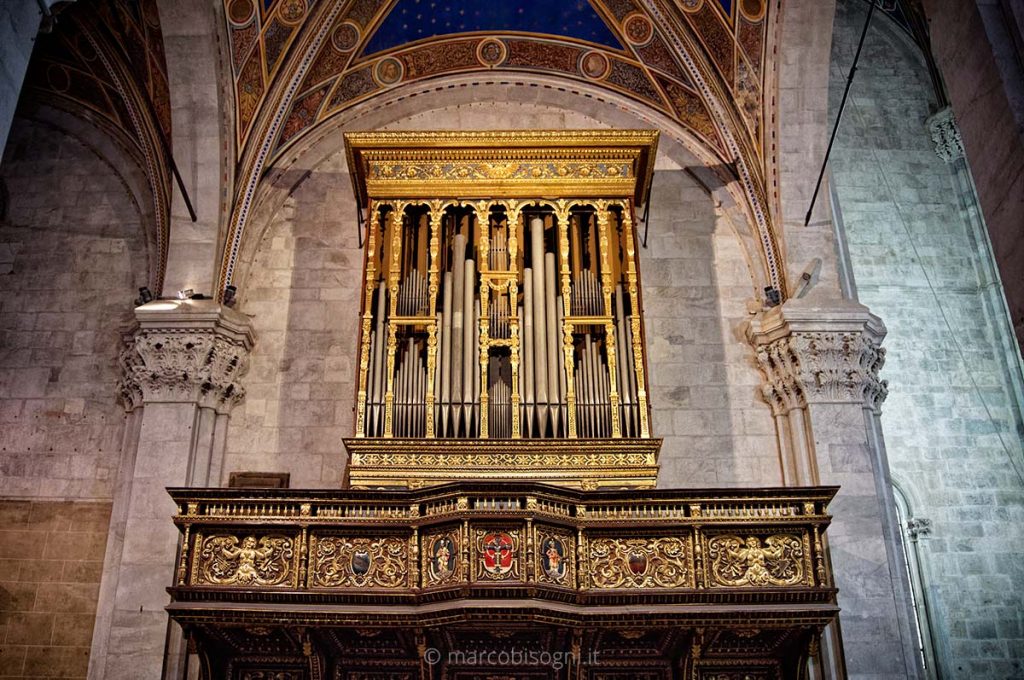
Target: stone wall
[952, 421]
[72, 255]
[303, 292]
[51, 558]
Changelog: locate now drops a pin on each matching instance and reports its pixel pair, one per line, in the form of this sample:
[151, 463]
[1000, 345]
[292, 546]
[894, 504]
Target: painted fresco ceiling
[703, 63]
[377, 44]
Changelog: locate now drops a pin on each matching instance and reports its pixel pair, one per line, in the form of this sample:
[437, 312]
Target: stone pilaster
[181, 368]
[821, 363]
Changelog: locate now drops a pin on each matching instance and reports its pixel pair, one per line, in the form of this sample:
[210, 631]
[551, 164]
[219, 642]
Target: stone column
[182, 363]
[821, 362]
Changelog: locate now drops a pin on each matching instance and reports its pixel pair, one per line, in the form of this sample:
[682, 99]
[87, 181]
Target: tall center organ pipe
[458, 317]
[540, 378]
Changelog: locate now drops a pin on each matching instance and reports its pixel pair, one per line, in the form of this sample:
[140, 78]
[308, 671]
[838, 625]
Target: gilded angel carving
[746, 562]
[226, 560]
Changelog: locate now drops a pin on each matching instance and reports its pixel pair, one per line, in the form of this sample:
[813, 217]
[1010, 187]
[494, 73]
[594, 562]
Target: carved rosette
[949, 145]
[820, 367]
[185, 360]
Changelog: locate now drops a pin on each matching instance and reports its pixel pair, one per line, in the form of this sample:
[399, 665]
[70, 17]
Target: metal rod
[839, 115]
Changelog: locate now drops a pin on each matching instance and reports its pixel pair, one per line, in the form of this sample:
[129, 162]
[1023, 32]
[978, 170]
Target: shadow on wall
[688, 380]
[304, 296]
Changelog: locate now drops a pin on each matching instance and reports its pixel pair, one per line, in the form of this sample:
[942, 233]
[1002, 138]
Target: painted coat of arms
[498, 553]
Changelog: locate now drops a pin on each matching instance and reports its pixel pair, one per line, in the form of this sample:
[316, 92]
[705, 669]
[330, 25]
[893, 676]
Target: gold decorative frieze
[245, 561]
[776, 560]
[508, 164]
[582, 464]
[339, 562]
[647, 562]
[356, 583]
[540, 541]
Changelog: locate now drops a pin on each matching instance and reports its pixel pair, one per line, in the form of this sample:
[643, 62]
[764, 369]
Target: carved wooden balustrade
[724, 577]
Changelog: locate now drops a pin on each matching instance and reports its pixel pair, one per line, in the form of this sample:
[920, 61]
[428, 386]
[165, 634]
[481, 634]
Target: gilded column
[368, 289]
[394, 235]
[632, 281]
[562, 216]
[513, 211]
[436, 214]
[604, 226]
[483, 212]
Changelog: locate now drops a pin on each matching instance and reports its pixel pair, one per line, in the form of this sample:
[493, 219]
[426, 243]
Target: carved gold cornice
[508, 164]
[576, 463]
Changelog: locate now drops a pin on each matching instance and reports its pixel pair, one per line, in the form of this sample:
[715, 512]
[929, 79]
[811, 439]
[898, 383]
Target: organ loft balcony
[512, 580]
[499, 518]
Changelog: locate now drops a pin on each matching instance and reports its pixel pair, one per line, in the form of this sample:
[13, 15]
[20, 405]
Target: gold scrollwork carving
[339, 562]
[226, 560]
[737, 561]
[641, 562]
[480, 169]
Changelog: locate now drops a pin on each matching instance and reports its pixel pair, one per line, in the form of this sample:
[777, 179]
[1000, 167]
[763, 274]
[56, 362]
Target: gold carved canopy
[506, 164]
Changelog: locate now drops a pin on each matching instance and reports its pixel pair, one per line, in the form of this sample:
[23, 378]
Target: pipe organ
[501, 297]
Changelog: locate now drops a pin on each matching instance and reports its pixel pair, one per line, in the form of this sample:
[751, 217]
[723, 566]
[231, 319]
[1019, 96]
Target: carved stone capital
[949, 145]
[918, 526]
[186, 351]
[819, 354]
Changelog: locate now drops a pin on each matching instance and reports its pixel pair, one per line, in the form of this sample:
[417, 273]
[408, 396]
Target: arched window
[913, 528]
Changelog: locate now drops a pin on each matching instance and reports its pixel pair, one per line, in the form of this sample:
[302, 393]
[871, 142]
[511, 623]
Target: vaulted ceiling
[701, 63]
[104, 60]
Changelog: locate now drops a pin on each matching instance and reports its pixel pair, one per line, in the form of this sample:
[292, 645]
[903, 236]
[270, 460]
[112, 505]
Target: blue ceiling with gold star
[412, 20]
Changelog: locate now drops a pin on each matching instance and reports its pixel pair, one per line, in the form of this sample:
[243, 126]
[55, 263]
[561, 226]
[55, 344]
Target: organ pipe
[574, 309]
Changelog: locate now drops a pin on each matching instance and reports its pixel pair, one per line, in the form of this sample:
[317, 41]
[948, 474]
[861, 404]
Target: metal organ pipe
[458, 320]
[540, 376]
[469, 356]
[551, 340]
[526, 365]
[462, 369]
